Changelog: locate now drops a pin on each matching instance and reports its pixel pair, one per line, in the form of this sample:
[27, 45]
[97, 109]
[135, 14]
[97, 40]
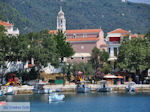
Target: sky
[141, 1]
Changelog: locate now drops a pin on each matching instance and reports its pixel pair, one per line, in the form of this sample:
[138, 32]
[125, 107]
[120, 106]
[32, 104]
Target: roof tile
[5, 23]
[119, 30]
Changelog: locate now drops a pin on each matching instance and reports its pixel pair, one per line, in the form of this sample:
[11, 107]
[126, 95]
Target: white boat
[53, 97]
[39, 89]
[1, 93]
[9, 91]
[131, 87]
[82, 88]
[103, 87]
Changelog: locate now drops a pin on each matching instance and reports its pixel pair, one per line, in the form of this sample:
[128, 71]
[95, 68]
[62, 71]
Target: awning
[110, 76]
[119, 77]
[78, 55]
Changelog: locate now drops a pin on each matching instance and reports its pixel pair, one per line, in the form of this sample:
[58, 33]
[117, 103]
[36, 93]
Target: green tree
[8, 49]
[134, 56]
[95, 58]
[42, 48]
[64, 48]
[99, 59]
[147, 35]
[85, 68]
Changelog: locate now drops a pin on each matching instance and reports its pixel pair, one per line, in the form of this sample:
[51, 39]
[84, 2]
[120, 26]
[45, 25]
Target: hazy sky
[141, 1]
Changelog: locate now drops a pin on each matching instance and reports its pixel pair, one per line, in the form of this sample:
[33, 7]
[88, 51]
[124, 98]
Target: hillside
[9, 13]
[108, 14]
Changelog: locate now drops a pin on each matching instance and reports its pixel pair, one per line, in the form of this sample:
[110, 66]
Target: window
[82, 47]
[74, 35]
[115, 52]
[109, 50]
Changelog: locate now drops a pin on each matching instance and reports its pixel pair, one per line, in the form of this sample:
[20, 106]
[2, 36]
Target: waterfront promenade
[72, 87]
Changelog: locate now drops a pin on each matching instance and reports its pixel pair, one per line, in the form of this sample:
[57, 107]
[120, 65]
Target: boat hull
[10, 93]
[103, 90]
[1, 93]
[56, 97]
[83, 89]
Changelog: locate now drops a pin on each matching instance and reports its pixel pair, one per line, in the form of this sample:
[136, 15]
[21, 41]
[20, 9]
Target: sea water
[91, 102]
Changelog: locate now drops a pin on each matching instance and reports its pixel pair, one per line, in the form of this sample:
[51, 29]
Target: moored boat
[1, 93]
[39, 89]
[103, 87]
[131, 87]
[9, 91]
[82, 88]
[53, 97]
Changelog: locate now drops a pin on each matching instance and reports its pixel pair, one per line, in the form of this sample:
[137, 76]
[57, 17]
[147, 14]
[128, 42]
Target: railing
[113, 43]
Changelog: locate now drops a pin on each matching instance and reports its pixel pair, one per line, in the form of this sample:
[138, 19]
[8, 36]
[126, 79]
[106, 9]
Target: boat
[54, 97]
[39, 89]
[9, 91]
[131, 87]
[103, 87]
[82, 88]
[1, 93]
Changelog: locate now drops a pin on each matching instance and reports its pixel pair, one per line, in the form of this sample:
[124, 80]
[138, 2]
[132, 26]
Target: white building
[114, 39]
[9, 28]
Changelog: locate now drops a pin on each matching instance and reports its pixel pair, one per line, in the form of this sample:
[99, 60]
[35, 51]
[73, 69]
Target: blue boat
[82, 88]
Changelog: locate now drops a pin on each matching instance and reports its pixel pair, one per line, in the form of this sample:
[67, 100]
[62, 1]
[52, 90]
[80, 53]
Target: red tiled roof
[119, 30]
[30, 65]
[84, 31]
[53, 31]
[5, 23]
[81, 39]
[137, 35]
[79, 31]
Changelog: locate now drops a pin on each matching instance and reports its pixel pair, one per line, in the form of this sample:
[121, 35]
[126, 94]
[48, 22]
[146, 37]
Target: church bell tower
[61, 21]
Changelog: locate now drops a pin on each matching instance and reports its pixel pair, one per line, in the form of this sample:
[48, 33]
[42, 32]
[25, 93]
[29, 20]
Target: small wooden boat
[53, 97]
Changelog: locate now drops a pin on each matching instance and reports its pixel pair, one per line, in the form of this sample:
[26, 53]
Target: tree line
[43, 47]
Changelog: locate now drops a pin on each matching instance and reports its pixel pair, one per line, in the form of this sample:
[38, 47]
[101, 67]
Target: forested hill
[35, 15]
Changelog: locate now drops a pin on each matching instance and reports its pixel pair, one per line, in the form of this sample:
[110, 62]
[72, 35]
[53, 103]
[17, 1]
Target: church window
[82, 47]
[74, 35]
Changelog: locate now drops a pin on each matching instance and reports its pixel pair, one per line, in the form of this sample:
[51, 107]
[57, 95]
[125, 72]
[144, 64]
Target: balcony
[114, 43]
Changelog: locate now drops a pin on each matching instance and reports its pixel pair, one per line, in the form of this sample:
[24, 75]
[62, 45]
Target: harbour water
[91, 102]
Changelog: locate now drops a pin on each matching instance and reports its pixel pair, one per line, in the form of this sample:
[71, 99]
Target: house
[115, 38]
[9, 28]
